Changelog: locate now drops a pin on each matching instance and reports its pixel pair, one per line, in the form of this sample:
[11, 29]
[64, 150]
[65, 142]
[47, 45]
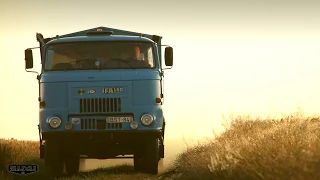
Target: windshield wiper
[79, 60]
[118, 59]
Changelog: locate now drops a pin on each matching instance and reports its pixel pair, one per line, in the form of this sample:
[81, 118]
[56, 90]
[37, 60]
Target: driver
[132, 52]
[133, 55]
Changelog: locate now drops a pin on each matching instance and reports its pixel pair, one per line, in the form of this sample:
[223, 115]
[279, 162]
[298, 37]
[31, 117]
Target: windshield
[99, 55]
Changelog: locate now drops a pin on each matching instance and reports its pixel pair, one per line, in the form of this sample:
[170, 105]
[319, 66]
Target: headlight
[146, 119]
[54, 122]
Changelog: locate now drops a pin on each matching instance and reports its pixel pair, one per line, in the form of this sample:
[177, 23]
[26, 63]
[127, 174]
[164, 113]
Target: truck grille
[114, 125]
[88, 123]
[100, 105]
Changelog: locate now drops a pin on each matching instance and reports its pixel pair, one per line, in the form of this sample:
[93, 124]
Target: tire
[152, 156]
[53, 159]
[138, 158]
[137, 163]
[72, 164]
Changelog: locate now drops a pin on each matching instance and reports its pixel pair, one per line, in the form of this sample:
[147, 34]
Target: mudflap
[161, 147]
[41, 144]
[41, 151]
[161, 150]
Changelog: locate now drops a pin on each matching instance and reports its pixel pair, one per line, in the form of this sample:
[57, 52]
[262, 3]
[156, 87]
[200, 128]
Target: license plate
[119, 119]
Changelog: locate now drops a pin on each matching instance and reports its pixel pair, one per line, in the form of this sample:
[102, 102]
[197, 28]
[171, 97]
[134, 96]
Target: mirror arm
[33, 48]
[32, 72]
[167, 68]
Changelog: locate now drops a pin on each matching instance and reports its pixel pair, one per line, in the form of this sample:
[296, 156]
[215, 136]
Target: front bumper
[101, 143]
[82, 136]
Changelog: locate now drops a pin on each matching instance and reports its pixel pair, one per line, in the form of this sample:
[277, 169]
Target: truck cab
[101, 97]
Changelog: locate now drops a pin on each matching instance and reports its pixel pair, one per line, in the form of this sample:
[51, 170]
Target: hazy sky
[230, 56]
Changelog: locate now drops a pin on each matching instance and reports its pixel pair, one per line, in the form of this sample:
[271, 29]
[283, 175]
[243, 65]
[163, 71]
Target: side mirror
[28, 58]
[168, 55]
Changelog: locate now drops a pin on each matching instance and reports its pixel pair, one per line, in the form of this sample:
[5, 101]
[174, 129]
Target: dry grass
[287, 149]
[12, 151]
[250, 149]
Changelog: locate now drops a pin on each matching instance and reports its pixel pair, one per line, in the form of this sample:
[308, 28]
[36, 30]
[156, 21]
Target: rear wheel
[53, 159]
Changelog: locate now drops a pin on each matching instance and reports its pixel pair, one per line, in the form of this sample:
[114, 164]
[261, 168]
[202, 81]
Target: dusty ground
[172, 148]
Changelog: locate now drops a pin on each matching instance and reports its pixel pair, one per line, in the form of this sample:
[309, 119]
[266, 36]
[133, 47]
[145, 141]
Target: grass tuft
[288, 148]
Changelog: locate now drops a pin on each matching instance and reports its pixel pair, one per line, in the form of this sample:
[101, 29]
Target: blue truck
[101, 97]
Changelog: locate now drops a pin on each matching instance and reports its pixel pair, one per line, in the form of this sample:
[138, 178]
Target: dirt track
[172, 148]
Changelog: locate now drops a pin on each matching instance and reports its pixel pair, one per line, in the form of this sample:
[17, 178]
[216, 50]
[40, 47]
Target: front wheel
[53, 159]
[137, 163]
[152, 156]
[139, 157]
[72, 164]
